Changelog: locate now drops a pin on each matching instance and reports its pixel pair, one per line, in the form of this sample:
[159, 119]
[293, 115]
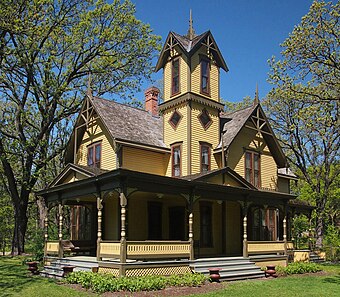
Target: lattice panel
[158, 271]
[107, 270]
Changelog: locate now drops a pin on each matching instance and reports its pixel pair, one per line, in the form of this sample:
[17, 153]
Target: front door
[177, 223]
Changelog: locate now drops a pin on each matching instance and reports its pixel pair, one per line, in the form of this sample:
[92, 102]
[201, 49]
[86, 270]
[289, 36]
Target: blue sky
[248, 33]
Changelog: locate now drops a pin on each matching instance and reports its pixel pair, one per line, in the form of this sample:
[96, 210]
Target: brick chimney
[151, 100]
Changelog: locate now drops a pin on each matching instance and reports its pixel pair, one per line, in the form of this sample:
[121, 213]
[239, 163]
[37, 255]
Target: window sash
[176, 161]
[205, 76]
[175, 77]
[94, 155]
[205, 158]
[252, 168]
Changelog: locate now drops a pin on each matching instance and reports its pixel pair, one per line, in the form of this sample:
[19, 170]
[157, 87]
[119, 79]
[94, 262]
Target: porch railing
[52, 247]
[266, 247]
[146, 249]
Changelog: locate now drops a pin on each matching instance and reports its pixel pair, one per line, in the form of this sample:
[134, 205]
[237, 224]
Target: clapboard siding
[94, 133]
[143, 160]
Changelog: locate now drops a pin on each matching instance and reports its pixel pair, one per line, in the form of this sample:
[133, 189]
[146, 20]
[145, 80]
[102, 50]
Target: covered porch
[139, 218]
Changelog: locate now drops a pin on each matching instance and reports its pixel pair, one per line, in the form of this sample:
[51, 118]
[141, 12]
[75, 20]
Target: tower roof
[189, 47]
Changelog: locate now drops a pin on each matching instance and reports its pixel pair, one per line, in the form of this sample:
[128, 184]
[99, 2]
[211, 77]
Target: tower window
[205, 77]
[94, 153]
[252, 168]
[205, 157]
[175, 119]
[175, 77]
[176, 160]
[205, 119]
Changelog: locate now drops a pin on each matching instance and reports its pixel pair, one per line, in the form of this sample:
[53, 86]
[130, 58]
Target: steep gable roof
[70, 168]
[236, 121]
[189, 47]
[122, 122]
[129, 123]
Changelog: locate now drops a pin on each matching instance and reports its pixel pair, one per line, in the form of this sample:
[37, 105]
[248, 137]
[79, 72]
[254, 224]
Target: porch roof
[123, 179]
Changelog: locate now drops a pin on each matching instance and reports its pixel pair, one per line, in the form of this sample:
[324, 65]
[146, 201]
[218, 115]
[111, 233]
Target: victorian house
[160, 189]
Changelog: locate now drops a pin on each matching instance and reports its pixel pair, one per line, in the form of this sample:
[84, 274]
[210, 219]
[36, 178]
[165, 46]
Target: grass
[15, 280]
[310, 285]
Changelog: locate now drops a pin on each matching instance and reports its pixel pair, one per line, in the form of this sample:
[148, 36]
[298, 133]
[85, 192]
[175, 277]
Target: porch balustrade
[265, 247]
[52, 247]
[146, 249]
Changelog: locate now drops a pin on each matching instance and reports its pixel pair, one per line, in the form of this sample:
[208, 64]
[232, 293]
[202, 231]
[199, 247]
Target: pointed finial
[89, 90]
[191, 31]
[256, 100]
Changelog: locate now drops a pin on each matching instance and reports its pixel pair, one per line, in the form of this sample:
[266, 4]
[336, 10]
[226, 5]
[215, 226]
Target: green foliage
[301, 232]
[7, 221]
[233, 106]
[304, 105]
[47, 50]
[299, 268]
[101, 283]
[332, 243]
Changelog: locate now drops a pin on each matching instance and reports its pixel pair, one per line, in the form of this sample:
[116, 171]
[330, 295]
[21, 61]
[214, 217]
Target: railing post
[245, 235]
[60, 231]
[45, 233]
[191, 235]
[123, 247]
[99, 227]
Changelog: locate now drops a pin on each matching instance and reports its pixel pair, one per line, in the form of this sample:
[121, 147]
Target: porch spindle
[245, 236]
[60, 233]
[191, 235]
[99, 230]
[123, 247]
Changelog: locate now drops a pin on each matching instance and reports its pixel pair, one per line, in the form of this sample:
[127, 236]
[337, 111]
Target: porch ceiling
[122, 179]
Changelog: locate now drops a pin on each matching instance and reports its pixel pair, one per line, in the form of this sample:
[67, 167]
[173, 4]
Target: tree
[304, 105]
[233, 106]
[47, 50]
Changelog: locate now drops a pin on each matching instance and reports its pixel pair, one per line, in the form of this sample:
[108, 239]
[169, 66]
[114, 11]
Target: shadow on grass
[333, 280]
[14, 276]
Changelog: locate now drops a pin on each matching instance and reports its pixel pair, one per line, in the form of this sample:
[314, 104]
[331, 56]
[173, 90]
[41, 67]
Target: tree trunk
[42, 209]
[20, 227]
[319, 230]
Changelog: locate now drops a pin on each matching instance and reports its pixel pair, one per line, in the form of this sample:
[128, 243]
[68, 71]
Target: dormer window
[205, 76]
[175, 77]
[94, 153]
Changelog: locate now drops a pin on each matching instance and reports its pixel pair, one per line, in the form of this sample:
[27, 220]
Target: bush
[332, 243]
[298, 268]
[101, 283]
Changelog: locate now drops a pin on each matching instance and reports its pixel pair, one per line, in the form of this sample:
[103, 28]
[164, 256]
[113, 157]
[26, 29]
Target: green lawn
[15, 280]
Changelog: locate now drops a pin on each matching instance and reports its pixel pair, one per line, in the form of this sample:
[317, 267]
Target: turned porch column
[60, 230]
[99, 226]
[245, 226]
[45, 232]
[123, 247]
[191, 235]
[285, 229]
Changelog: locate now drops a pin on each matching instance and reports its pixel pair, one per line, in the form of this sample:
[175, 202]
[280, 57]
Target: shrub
[298, 268]
[101, 283]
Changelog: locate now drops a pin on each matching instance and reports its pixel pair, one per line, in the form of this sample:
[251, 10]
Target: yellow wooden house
[153, 190]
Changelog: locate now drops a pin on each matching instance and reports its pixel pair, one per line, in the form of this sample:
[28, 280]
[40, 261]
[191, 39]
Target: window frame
[175, 92]
[179, 120]
[173, 147]
[207, 125]
[252, 155]
[95, 163]
[207, 76]
[208, 146]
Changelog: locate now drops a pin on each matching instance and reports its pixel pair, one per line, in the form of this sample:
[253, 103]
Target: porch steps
[313, 257]
[232, 268]
[55, 269]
